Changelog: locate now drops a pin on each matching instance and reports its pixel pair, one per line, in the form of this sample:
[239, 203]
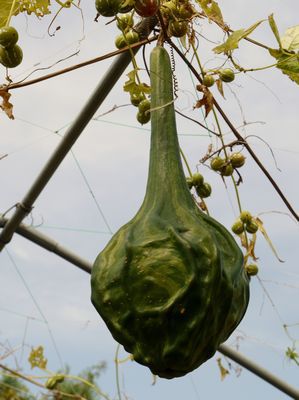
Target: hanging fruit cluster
[177, 15]
[11, 54]
[125, 23]
[202, 188]
[226, 75]
[226, 166]
[245, 222]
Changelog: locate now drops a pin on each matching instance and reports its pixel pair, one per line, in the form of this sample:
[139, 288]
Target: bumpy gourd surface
[170, 284]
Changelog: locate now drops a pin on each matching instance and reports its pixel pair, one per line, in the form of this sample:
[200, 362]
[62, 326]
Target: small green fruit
[185, 11]
[144, 106]
[252, 269]
[136, 99]
[131, 37]
[120, 41]
[11, 57]
[197, 179]
[208, 80]
[108, 8]
[227, 170]
[237, 160]
[252, 227]
[226, 75]
[217, 163]
[204, 190]
[177, 28]
[245, 217]
[143, 118]
[125, 22]
[238, 227]
[53, 381]
[8, 36]
[169, 8]
[125, 9]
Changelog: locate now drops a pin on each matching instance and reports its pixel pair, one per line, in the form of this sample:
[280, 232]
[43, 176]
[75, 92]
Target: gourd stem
[165, 165]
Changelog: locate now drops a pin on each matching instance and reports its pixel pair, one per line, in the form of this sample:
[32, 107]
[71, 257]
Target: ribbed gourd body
[170, 284]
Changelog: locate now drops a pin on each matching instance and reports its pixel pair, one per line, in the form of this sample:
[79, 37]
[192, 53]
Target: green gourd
[170, 284]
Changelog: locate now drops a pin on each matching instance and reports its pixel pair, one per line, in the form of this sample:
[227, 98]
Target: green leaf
[5, 11]
[212, 10]
[232, 42]
[133, 87]
[287, 62]
[290, 40]
[130, 84]
[37, 358]
[36, 7]
[274, 28]
[289, 65]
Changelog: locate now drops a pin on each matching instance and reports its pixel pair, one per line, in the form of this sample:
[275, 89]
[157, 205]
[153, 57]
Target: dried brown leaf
[6, 105]
[264, 233]
[206, 101]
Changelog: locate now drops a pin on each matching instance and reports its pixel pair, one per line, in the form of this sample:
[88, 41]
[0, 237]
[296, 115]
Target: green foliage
[292, 354]
[60, 386]
[288, 63]
[290, 40]
[36, 7]
[287, 55]
[133, 86]
[37, 358]
[11, 388]
[233, 40]
[170, 284]
[212, 10]
[11, 57]
[84, 385]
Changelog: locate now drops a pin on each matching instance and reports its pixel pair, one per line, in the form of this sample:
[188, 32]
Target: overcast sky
[109, 163]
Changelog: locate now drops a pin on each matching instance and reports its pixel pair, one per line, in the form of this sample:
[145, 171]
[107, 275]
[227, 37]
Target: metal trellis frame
[14, 224]
[48, 243]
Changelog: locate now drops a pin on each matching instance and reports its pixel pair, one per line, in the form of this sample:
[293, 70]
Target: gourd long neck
[166, 179]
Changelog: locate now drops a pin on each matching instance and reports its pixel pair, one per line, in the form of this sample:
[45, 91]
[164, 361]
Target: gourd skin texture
[170, 285]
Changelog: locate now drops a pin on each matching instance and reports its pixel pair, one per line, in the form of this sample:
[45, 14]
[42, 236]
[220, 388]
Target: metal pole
[259, 371]
[49, 244]
[72, 134]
